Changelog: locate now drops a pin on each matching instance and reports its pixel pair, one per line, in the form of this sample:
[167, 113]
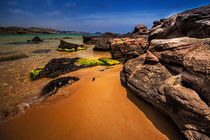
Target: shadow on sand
[163, 123]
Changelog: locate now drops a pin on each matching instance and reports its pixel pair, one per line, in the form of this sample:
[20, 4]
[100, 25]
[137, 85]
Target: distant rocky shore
[168, 66]
[35, 30]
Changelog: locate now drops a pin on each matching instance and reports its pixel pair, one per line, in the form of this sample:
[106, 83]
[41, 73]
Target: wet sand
[91, 110]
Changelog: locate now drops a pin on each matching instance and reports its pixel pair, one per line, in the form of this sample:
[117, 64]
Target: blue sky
[119, 16]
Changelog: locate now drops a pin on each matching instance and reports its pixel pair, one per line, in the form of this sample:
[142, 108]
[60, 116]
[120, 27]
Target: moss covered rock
[34, 73]
[97, 62]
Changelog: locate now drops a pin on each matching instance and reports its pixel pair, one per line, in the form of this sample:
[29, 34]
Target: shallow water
[15, 85]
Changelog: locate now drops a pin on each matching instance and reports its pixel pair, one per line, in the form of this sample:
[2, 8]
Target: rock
[53, 86]
[140, 31]
[59, 66]
[67, 45]
[192, 55]
[124, 49]
[89, 39]
[191, 23]
[151, 58]
[36, 39]
[174, 76]
[102, 43]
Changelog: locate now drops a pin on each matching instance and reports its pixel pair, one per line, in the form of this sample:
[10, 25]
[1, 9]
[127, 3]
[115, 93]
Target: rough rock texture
[53, 86]
[174, 76]
[36, 39]
[124, 49]
[102, 44]
[89, 39]
[140, 31]
[67, 45]
[59, 66]
[191, 23]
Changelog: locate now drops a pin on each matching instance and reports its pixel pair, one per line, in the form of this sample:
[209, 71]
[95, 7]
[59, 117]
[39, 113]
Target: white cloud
[19, 11]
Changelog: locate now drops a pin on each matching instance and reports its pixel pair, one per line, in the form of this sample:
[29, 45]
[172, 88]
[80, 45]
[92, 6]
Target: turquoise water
[7, 38]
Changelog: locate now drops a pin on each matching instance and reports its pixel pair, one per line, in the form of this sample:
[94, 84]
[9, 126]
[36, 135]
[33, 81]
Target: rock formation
[53, 86]
[66, 45]
[59, 66]
[174, 74]
[89, 39]
[140, 31]
[191, 23]
[124, 49]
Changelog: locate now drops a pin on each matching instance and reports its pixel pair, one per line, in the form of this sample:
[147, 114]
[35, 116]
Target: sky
[117, 16]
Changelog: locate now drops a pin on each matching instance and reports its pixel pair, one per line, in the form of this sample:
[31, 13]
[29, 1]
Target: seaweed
[99, 62]
[72, 50]
[108, 61]
[35, 72]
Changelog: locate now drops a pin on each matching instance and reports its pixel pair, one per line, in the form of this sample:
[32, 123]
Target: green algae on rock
[108, 61]
[72, 50]
[99, 62]
[59, 66]
[34, 73]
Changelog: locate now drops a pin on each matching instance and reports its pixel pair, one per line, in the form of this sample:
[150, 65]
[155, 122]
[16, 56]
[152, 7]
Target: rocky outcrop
[124, 49]
[36, 39]
[60, 66]
[103, 42]
[140, 31]
[90, 39]
[53, 86]
[31, 30]
[67, 45]
[191, 23]
[174, 77]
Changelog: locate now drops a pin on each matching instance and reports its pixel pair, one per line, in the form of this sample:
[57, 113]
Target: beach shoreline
[90, 110]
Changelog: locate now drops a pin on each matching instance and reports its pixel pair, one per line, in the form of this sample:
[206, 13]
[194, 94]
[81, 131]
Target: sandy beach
[99, 109]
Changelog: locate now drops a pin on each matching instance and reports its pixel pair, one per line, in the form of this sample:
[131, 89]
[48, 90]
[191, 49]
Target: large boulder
[67, 45]
[124, 49]
[191, 23]
[89, 39]
[103, 42]
[174, 76]
[140, 31]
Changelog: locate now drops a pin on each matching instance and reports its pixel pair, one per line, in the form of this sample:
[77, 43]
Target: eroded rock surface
[174, 77]
[60, 66]
[126, 48]
[191, 23]
[67, 45]
[140, 31]
[53, 86]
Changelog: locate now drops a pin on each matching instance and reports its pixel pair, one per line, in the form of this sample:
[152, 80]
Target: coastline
[90, 110]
